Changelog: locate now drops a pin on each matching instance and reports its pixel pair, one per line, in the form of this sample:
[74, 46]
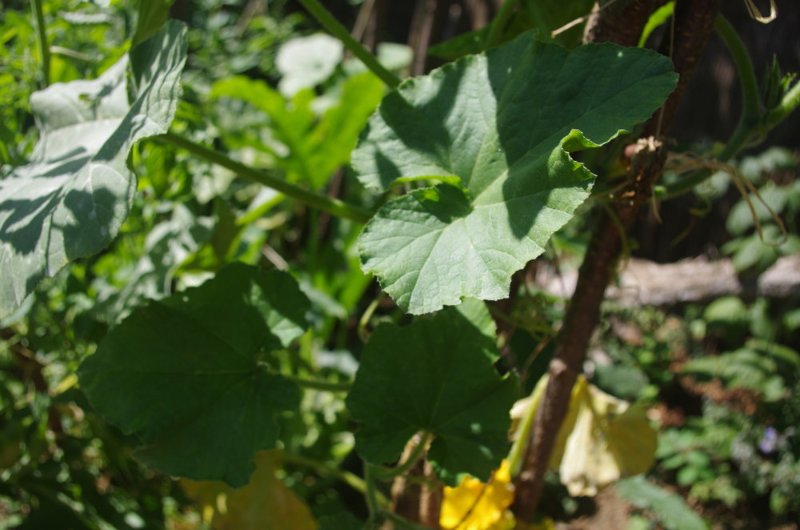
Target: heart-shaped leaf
[436, 376]
[70, 201]
[497, 129]
[187, 374]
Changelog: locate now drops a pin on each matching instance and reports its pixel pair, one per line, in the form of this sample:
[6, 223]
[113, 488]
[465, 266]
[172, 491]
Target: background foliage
[267, 300]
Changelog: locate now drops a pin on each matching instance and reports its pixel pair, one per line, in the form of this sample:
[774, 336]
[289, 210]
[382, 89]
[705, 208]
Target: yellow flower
[473, 505]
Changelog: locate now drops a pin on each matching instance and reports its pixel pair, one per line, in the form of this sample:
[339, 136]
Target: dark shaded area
[710, 115]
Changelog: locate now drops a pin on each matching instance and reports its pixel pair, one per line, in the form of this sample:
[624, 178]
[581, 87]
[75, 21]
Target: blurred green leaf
[305, 62]
[740, 219]
[670, 509]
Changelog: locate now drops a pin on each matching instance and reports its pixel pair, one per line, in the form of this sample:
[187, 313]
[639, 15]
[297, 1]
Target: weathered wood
[645, 283]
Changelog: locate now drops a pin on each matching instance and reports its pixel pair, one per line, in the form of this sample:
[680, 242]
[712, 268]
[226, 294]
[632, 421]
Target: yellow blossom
[473, 505]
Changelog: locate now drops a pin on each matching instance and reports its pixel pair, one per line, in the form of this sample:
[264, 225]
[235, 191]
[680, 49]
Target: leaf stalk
[328, 21]
[331, 205]
[316, 384]
[352, 480]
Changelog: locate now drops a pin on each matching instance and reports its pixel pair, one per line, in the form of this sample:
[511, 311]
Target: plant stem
[72, 54]
[517, 453]
[314, 384]
[331, 24]
[315, 200]
[751, 101]
[370, 492]
[36, 5]
[352, 480]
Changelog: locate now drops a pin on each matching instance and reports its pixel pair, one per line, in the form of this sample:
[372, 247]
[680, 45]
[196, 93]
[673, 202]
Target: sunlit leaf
[497, 130]
[307, 148]
[70, 201]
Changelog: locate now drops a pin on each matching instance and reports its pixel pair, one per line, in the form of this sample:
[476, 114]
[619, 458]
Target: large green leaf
[70, 201]
[436, 376]
[189, 375]
[497, 130]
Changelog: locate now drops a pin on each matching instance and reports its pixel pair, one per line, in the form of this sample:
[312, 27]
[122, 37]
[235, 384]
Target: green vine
[352, 480]
[314, 384]
[331, 205]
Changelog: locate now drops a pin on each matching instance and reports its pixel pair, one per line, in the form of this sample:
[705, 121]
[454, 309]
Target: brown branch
[411, 498]
[620, 22]
[597, 270]
[372, 33]
[479, 13]
[430, 505]
[693, 24]
[428, 16]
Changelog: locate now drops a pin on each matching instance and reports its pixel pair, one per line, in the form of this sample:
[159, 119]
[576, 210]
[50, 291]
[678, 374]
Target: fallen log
[646, 283]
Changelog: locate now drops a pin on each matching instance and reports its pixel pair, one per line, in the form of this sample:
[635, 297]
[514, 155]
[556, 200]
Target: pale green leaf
[70, 201]
[658, 18]
[310, 150]
[502, 124]
[305, 62]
